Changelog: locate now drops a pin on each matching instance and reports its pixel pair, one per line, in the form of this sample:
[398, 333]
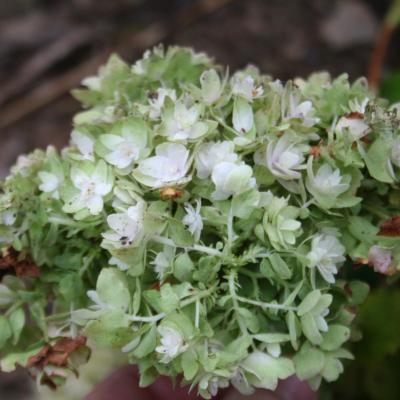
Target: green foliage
[199, 222]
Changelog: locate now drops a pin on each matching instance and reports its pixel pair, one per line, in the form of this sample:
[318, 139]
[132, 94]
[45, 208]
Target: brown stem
[378, 55]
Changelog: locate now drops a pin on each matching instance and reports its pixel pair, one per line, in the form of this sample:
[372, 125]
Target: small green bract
[198, 222]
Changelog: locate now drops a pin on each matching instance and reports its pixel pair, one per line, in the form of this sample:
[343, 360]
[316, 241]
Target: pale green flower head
[126, 143]
[326, 184]
[283, 157]
[302, 111]
[325, 254]
[231, 179]
[126, 227]
[84, 144]
[182, 123]
[202, 224]
[211, 154]
[156, 101]
[280, 221]
[171, 343]
[53, 176]
[169, 166]
[244, 85]
[90, 184]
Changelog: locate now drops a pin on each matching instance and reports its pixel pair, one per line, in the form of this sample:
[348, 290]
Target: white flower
[182, 123]
[92, 187]
[92, 82]
[163, 261]
[25, 164]
[168, 167]
[123, 266]
[126, 147]
[193, 219]
[231, 179]
[353, 123]
[320, 320]
[244, 86]
[242, 116]
[327, 182]
[157, 100]
[303, 111]
[381, 259]
[50, 183]
[172, 343]
[210, 86]
[126, 226]
[284, 158]
[210, 154]
[356, 106]
[8, 217]
[395, 154]
[139, 67]
[84, 143]
[326, 252]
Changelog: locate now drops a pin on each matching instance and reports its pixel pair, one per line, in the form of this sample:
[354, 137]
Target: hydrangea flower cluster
[199, 222]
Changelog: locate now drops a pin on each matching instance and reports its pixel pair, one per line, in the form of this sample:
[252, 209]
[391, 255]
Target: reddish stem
[379, 54]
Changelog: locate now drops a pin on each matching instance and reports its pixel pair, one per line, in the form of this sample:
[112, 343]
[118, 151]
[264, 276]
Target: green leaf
[292, 322]
[6, 295]
[244, 204]
[250, 318]
[183, 267]
[310, 329]
[153, 299]
[180, 322]
[239, 345]
[189, 364]
[169, 299]
[5, 331]
[17, 322]
[309, 302]
[263, 175]
[335, 337]
[112, 289]
[279, 266]
[376, 160]
[179, 234]
[308, 362]
[10, 362]
[110, 330]
[332, 369]
[362, 229]
[272, 337]
[147, 344]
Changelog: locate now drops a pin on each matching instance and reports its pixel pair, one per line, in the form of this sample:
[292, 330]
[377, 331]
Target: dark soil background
[48, 46]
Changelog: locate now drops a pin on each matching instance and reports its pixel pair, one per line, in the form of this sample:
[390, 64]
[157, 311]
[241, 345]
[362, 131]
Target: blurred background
[48, 46]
